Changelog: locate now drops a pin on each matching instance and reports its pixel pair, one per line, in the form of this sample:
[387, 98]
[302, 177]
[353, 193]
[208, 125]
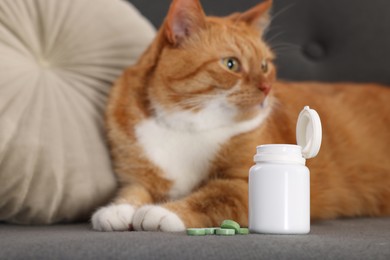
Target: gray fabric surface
[336, 239]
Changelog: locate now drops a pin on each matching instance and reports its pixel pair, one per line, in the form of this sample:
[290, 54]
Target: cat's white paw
[156, 218]
[113, 218]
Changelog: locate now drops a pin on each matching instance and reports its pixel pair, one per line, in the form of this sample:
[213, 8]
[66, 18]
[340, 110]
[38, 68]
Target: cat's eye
[264, 66]
[231, 64]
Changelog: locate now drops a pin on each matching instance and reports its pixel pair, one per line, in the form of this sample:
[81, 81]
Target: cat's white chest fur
[183, 154]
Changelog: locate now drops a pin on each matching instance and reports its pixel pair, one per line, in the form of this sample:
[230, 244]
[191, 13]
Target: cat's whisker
[284, 47]
[274, 37]
[283, 51]
[282, 11]
[284, 44]
[274, 17]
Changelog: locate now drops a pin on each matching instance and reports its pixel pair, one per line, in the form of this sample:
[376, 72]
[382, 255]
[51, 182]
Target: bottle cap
[309, 132]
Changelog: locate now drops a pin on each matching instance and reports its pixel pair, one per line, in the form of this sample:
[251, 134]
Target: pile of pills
[228, 228]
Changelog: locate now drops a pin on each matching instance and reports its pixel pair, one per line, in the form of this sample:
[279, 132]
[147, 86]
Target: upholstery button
[314, 50]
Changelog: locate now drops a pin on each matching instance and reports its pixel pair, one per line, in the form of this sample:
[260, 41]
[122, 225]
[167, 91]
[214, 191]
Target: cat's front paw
[156, 218]
[113, 218]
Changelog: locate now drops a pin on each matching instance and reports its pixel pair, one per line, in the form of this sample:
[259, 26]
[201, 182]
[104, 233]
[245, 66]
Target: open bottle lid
[309, 132]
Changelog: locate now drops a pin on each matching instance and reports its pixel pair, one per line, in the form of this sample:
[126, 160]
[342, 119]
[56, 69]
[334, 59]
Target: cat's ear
[257, 16]
[185, 17]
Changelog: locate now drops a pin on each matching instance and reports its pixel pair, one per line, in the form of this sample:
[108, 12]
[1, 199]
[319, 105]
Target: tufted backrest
[332, 40]
[322, 40]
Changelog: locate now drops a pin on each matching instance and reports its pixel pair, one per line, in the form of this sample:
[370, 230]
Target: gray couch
[329, 40]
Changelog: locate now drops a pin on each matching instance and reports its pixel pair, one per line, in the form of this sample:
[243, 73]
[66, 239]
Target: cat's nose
[265, 87]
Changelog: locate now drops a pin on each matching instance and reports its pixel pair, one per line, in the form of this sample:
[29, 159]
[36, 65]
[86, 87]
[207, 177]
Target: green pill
[210, 231]
[230, 224]
[243, 231]
[225, 232]
[196, 231]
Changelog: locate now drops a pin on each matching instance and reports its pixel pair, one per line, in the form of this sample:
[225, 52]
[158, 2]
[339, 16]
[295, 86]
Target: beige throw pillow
[58, 60]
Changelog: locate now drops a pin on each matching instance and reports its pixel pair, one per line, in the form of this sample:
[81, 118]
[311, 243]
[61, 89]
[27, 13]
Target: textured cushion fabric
[336, 239]
[58, 61]
[317, 40]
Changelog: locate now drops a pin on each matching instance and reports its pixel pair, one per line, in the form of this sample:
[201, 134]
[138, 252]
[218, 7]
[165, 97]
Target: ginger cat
[184, 122]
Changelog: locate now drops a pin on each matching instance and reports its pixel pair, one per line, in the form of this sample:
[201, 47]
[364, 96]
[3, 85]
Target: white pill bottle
[279, 182]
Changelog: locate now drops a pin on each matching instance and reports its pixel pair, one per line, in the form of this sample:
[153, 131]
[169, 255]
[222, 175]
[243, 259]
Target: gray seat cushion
[336, 239]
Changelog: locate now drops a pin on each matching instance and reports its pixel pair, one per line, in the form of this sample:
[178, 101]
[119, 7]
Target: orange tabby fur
[349, 178]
